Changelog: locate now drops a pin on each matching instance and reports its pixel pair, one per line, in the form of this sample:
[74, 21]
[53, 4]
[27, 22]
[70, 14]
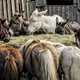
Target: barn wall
[9, 7]
[67, 11]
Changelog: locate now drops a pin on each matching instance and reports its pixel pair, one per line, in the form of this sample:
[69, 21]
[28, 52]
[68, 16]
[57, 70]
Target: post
[1, 11]
[9, 9]
[13, 7]
[4, 9]
[23, 8]
[27, 5]
[17, 6]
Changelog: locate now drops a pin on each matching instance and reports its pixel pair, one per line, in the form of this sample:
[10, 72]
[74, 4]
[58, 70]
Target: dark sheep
[18, 25]
[4, 30]
[77, 38]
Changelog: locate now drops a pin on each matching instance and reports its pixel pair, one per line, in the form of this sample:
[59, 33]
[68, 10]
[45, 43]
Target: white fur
[39, 20]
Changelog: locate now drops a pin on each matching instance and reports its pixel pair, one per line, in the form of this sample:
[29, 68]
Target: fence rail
[9, 7]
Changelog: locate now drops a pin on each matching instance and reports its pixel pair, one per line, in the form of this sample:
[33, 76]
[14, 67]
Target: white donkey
[40, 20]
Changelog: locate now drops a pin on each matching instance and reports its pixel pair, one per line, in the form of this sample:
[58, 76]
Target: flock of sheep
[39, 59]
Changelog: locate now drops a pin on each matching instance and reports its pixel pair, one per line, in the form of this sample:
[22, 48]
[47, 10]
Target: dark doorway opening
[59, 2]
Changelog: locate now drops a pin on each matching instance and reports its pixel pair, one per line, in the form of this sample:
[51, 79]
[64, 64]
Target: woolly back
[11, 63]
[40, 61]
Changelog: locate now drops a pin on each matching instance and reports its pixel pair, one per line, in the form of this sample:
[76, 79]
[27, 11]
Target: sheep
[40, 60]
[38, 20]
[11, 63]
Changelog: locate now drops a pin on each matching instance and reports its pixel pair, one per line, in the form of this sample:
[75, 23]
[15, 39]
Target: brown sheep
[11, 63]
